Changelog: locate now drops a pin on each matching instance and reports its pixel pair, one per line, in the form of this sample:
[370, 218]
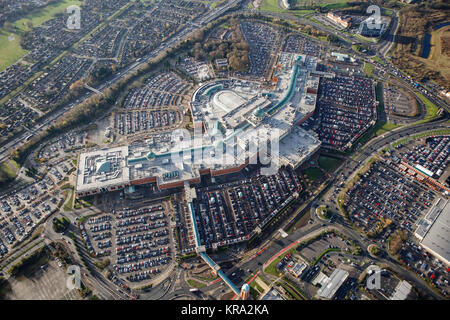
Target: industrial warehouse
[230, 114]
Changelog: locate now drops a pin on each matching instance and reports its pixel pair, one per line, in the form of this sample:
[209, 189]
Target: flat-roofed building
[330, 285]
[299, 269]
[402, 291]
[436, 233]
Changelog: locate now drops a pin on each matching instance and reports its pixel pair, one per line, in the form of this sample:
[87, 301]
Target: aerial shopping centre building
[229, 116]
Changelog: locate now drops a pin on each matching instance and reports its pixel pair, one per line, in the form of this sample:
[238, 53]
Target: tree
[8, 26]
[29, 24]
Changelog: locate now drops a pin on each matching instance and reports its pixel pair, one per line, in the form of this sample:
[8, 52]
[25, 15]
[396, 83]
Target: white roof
[333, 283]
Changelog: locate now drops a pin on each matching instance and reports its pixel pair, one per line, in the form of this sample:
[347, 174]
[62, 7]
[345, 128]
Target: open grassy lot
[313, 173]
[42, 15]
[385, 127]
[368, 69]
[439, 58]
[327, 4]
[195, 284]
[272, 5]
[8, 172]
[416, 22]
[328, 163]
[9, 168]
[432, 109]
[68, 205]
[10, 49]
[378, 59]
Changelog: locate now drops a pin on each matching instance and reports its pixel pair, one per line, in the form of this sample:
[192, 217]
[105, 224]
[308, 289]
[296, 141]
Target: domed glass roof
[246, 287]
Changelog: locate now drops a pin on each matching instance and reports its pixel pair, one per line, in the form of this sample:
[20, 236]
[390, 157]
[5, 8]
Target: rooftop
[332, 284]
[437, 239]
[235, 114]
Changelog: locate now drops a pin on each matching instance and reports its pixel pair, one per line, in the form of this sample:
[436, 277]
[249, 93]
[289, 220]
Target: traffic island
[374, 251]
[323, 213]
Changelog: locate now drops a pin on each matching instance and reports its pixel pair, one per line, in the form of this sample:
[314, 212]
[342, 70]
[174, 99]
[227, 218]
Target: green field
[368, 69]
[195, 284]
[365, 39]
[11, 51]
[9, 168]
[272, 6]
[327, 4]
[68, 205]
[328, 163]
[388, 126]
[42, 15]
[378, 59]
[313, 173]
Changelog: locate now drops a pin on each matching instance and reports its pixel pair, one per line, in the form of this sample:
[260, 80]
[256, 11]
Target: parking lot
[314, 249]
[21, 212]
[263, 41]
[426, 266]
[384, 196]
[334, 252]
[62, 147]
[199, 70]
[183, 230]
[345, 110]
[137, 241]
[163, 90]
[398, 103]
[142, 121]
[49, 283]
[431, 153]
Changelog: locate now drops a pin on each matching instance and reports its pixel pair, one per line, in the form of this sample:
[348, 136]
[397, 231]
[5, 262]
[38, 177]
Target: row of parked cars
[346, 109]
[3, 249]
[160, 90]
[234, 212]
[432, 155]
[383, 194]
[262, 39]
